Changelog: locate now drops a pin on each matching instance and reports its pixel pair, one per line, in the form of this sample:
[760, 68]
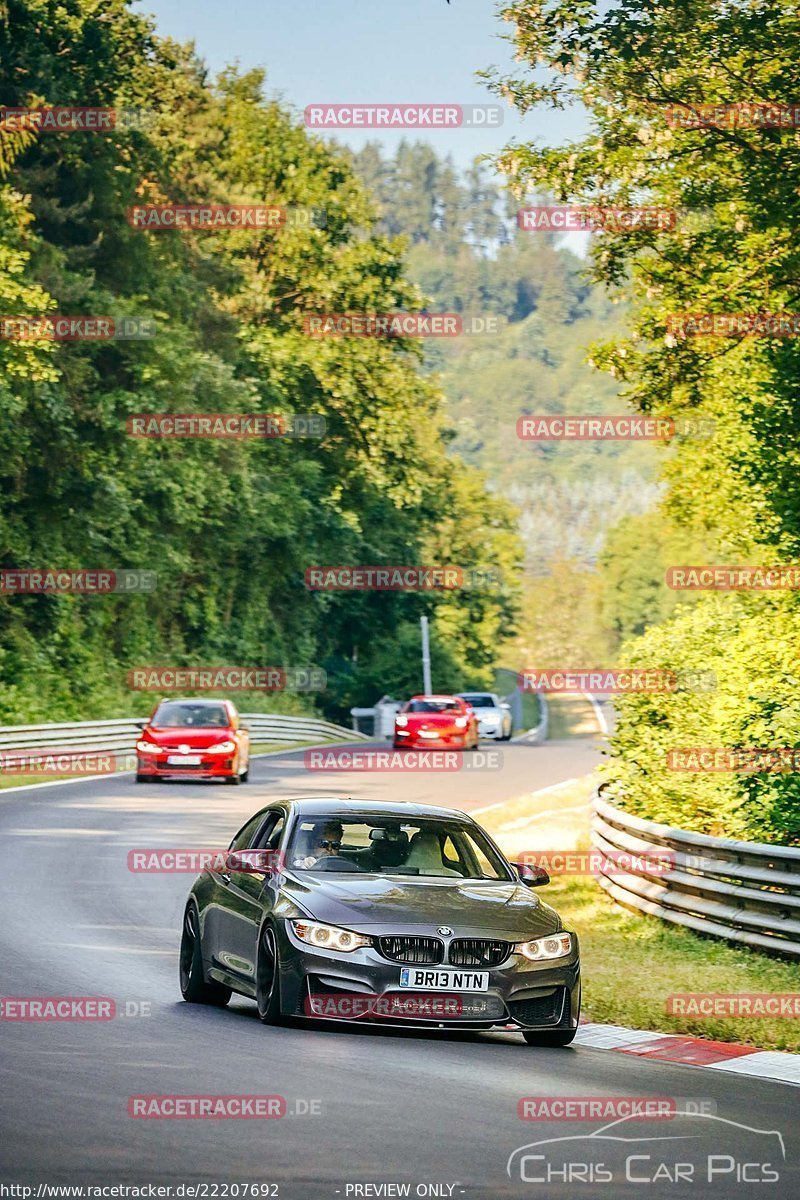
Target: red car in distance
[436, 722]
[197, 739]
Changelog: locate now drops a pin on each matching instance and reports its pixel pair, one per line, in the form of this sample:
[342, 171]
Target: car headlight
[145, 747]
[220, 748]
[329, 937]
[461, 722]
[547, 947]
[400, 720]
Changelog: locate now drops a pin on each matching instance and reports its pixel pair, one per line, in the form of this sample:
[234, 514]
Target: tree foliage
[229, 526]
[735, 187]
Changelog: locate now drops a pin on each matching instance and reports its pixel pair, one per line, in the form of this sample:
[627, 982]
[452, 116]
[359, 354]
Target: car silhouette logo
[183, 749]
[445, 930]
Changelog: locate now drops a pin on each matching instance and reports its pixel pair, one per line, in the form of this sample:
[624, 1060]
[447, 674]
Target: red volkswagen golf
[435, 721]
[193, 739]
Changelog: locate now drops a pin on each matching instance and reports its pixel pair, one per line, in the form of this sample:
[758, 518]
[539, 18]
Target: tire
[549, 1037]
[245, 775]
[194, 988]
[141, 778]
[268, 984]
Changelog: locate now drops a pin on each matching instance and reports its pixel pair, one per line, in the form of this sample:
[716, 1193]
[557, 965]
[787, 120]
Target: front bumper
[211, 766]
[365, 987]
[409, 740]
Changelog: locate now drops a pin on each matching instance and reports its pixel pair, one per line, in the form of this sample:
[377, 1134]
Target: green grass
[632, 963]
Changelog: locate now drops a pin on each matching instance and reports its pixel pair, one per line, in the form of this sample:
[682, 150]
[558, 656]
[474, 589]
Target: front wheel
[268, 986]
[194, 987]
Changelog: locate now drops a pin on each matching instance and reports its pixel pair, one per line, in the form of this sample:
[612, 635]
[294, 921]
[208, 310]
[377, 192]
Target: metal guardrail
[744, 892]
[119, 736]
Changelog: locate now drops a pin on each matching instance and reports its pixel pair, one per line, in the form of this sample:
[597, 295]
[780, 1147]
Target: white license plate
[424, 733]
[423, 979]
[184, 760]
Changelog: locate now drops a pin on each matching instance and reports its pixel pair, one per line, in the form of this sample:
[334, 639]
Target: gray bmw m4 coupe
[402, 914]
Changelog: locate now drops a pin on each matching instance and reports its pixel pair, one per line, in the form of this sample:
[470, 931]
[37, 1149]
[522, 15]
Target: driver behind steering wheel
[325, 842]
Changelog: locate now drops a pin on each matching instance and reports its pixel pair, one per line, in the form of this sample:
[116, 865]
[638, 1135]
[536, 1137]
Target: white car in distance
[494, 716]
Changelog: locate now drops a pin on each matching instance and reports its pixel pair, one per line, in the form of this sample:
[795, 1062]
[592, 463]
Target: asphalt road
[435, 1111]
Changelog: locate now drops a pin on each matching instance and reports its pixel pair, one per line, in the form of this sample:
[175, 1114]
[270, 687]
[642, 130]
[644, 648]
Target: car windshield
[381, 845]
[441, 704]
[480, 701]
[174, 714]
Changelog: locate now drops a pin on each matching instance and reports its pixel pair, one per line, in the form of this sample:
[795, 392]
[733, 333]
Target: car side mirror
[532, 876]
[140, 724]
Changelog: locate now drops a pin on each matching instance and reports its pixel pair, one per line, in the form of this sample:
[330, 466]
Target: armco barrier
[745, 892]
[119, 737]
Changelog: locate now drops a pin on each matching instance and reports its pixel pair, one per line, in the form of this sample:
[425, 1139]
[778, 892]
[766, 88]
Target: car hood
[196, 738]
[397, 904]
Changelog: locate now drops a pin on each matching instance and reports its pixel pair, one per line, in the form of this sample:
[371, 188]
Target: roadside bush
[750, 644]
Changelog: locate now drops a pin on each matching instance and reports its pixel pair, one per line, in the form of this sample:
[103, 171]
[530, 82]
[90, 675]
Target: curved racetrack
[393, 1106]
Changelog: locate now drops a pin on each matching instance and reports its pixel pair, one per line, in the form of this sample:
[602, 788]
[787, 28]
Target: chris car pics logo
[693, 1149]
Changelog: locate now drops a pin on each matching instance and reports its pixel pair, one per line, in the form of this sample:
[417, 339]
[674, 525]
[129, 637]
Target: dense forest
[229, 527]
[578, 502]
